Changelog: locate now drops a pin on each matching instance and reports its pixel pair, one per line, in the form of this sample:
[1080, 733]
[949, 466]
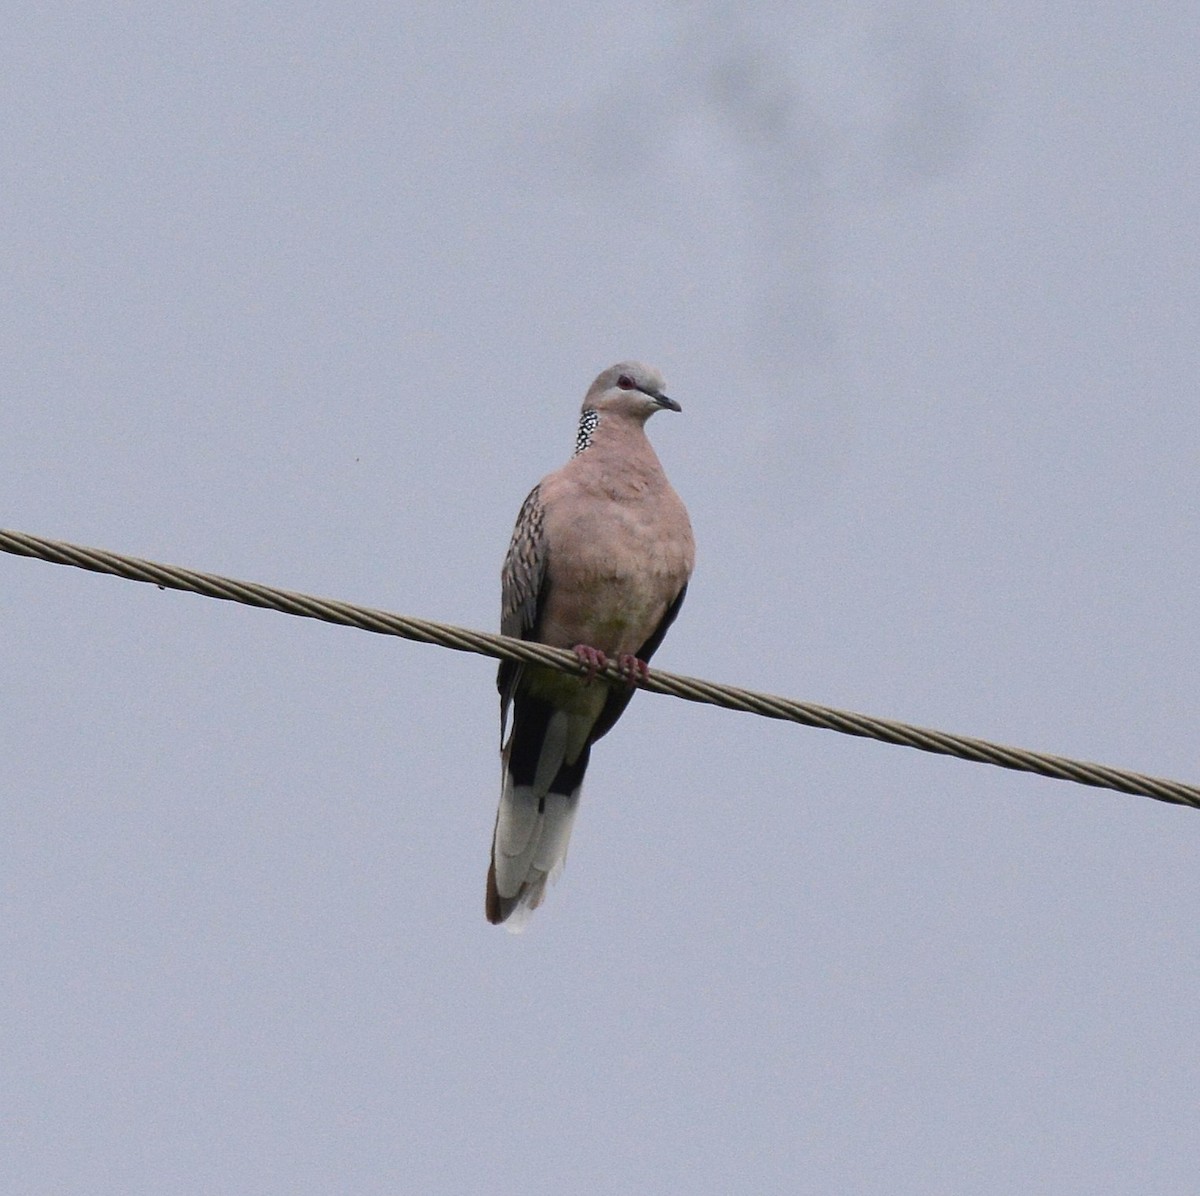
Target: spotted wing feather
[522, 589]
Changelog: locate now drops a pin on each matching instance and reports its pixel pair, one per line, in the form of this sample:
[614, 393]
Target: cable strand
[690, 689]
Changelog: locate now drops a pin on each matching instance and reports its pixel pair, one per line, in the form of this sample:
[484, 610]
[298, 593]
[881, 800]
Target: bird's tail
[538, 801]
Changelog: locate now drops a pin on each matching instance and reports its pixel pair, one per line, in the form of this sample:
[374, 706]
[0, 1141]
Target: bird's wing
[522, 590]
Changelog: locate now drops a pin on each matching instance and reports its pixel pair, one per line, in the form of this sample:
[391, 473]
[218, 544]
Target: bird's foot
[592, 658]
[634, 670]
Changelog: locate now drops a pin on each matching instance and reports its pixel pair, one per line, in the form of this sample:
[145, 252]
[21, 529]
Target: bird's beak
[669, 404]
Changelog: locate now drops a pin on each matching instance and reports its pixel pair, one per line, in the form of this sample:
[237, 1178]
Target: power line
[691, 689]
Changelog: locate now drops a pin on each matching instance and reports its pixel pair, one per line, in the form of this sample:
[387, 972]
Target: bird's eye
[625, 382]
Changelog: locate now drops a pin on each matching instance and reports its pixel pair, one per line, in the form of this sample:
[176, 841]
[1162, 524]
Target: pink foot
[593, 658]
[635, 670]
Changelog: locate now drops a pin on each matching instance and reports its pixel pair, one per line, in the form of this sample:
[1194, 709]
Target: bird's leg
[593, 658]
[635, 670]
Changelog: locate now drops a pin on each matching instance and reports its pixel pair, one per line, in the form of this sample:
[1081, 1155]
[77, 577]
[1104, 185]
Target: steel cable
[692, 689]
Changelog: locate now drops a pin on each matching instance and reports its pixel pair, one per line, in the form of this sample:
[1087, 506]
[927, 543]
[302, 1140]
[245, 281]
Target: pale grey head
[629, 388]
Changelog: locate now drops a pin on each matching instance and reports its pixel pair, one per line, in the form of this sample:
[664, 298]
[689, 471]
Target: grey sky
[311, 295]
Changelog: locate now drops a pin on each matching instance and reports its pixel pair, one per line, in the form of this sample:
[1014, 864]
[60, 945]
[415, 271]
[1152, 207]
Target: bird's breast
[620, 565]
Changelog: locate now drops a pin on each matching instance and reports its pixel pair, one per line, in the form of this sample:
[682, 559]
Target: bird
[599, 564]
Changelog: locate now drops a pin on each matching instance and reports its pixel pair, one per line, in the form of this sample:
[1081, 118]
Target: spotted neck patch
[587, 425]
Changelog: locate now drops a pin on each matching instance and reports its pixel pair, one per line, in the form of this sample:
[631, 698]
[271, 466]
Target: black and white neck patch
[587, 425]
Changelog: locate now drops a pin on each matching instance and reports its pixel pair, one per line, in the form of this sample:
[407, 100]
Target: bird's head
[629, 388]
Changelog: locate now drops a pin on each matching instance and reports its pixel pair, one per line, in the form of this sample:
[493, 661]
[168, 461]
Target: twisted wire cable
[691, 689]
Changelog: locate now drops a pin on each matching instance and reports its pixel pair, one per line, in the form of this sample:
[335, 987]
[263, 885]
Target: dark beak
[669, 404]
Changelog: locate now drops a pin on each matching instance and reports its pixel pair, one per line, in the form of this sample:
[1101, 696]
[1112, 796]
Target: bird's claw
[629, 666]
[592, 659]
[634, 670]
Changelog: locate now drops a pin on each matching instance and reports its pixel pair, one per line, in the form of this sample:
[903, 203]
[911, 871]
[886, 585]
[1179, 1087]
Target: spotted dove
[599, 563]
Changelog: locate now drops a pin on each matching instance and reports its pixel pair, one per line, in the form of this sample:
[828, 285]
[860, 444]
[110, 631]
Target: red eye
[625, 382]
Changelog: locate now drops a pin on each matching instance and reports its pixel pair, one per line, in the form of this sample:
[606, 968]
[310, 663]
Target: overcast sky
[310, 294]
